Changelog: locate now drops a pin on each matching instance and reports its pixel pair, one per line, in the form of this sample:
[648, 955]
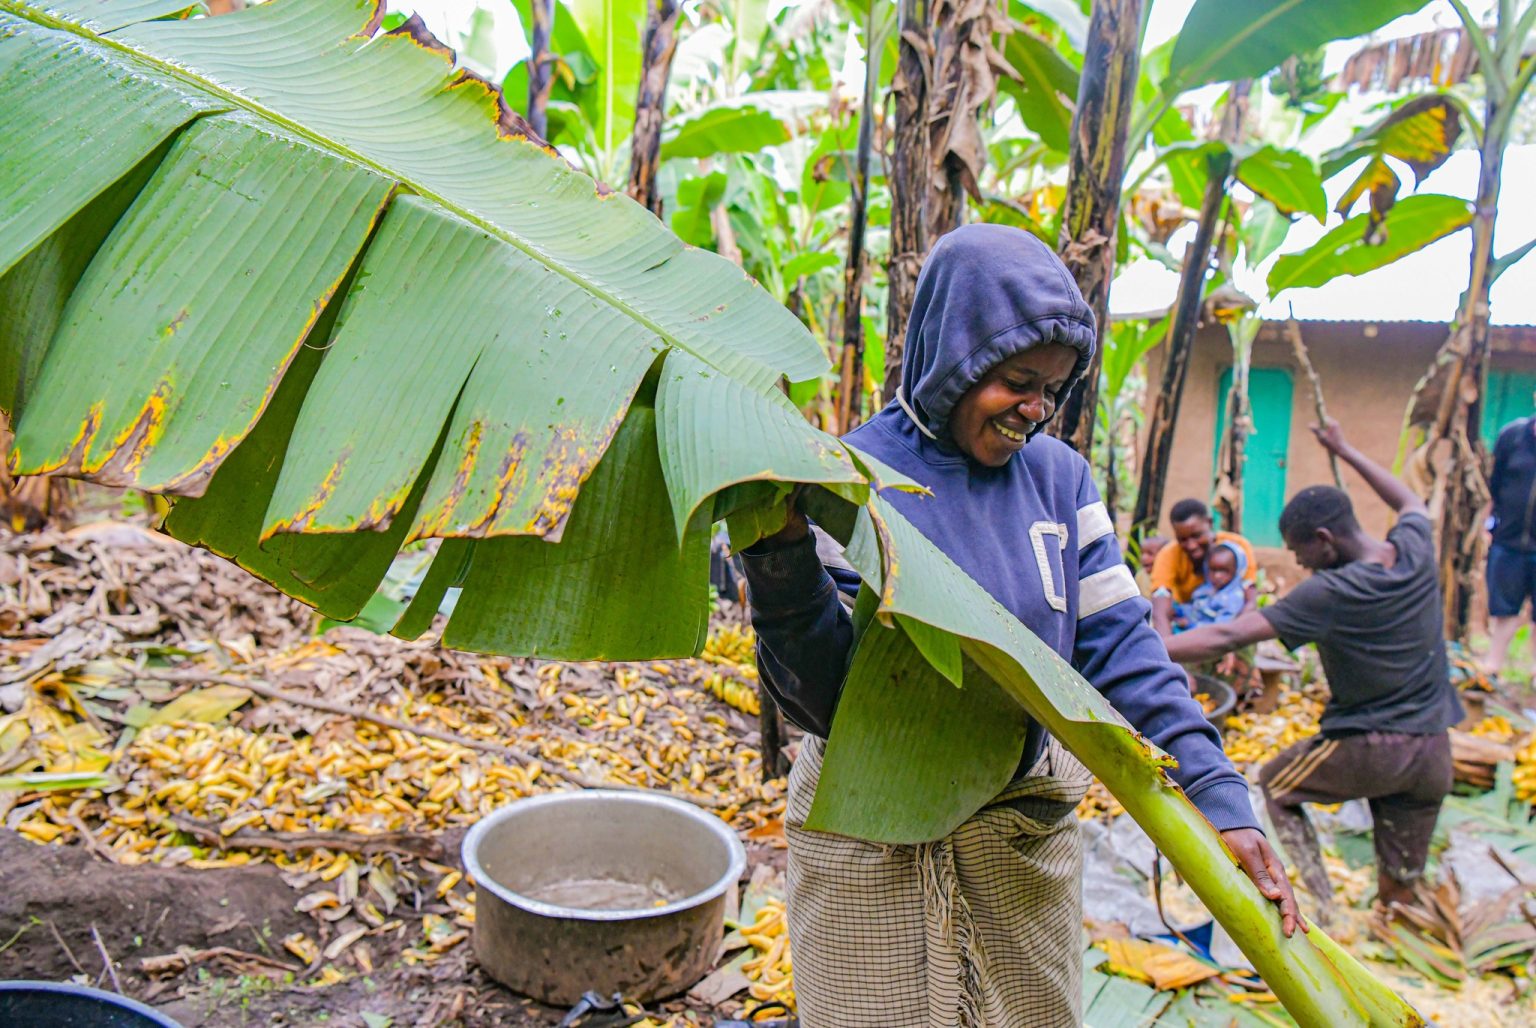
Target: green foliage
[696, 200]
[1068, 16]
[1421, 133]
[574, 73]
[1124, 347]
[610, 31]
[1411, 225]
[426, 407]
[1224, 41]
[878, 764]
[733, 128]
[1300, 81]
[1045, 90]
[485, 350]
[1262, 232]
[1286, 178]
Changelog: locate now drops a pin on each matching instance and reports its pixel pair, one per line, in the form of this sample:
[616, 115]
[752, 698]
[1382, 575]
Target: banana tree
[1222, 40]
[659, 44]
[445, 332]
[594, 57]
[1100, 126]
[1226, 42]
[1218, 38]
[1446, 409]
[908, 172]
[538, 16]
[1420, 132]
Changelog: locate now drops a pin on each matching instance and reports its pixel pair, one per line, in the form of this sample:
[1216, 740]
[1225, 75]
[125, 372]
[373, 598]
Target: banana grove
[289, 272]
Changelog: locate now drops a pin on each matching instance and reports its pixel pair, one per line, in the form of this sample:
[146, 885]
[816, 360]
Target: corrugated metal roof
[1390, 321]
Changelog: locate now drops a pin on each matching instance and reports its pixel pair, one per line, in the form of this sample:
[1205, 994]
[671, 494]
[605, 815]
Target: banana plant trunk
[908, 178]
[848, 404]
[659, 44]
[1178, 349]
[1112, 460]
[963, 84]
[1100, 124]
[1465, 490]
[540, 73]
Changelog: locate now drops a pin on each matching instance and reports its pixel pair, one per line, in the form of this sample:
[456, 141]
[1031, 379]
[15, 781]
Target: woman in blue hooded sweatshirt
[984, 927]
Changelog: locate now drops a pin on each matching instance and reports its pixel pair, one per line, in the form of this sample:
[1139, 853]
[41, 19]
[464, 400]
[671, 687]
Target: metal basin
[1222, 692]
[606, 890]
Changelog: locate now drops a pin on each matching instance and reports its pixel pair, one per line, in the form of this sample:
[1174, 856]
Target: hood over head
[986, 292]
[1237, 551]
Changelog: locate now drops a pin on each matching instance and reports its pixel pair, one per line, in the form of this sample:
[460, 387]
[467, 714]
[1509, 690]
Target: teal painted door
[1509, 397]
[1269, 393]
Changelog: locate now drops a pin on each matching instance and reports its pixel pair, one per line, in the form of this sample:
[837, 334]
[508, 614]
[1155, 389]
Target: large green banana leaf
[286, 271]
[1226, 40]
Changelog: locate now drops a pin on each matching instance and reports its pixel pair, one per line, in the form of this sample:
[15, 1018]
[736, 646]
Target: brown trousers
[1404, 778]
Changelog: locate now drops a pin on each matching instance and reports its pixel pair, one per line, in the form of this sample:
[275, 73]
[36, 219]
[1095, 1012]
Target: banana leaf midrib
[236, 100]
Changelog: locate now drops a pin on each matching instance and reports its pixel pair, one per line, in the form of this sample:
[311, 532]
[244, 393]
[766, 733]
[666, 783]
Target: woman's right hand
[796, 527]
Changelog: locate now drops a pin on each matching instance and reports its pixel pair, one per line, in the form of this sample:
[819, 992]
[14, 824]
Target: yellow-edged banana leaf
[286, 271]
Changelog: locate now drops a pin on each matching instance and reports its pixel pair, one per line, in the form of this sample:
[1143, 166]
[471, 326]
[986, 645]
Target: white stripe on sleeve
[1104, 589]
[1093, 524]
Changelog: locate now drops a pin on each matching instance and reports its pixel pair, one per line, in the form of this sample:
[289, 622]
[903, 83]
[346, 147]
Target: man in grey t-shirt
[1372, 606]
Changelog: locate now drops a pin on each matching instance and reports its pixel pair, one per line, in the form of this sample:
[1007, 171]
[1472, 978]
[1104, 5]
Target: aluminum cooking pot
[537, 862]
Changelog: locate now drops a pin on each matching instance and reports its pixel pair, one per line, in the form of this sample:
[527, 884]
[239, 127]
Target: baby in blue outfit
[1220, 597]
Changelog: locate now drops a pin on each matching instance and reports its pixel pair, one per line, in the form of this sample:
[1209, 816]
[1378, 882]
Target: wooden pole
[1304, 361]
[1465, 489]
[1186, 318]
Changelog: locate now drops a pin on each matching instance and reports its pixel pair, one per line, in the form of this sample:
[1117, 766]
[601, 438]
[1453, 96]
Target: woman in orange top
[1179, 570]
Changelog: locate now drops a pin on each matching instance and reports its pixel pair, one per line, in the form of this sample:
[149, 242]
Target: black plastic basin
[62, 1005]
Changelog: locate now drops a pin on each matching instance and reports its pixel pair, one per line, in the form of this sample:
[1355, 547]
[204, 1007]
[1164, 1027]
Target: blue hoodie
[1033, 532]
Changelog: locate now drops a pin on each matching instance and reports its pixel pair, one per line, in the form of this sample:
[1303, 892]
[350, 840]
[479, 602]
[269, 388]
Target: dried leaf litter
[83, 612]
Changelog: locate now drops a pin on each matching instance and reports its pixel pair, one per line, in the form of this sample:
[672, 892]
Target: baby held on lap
[1220, 597]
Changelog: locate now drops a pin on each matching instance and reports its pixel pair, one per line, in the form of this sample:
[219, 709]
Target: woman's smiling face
[996, 415]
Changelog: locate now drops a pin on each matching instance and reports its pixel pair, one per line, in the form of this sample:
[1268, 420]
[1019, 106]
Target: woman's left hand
[1261, 864]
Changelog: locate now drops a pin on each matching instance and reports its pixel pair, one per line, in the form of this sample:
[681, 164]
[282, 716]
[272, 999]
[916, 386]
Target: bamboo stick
[1304, 361]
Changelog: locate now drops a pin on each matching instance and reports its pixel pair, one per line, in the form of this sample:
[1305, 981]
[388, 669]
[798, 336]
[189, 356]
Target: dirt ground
[212, 875]
[64, 911]
[155, 906]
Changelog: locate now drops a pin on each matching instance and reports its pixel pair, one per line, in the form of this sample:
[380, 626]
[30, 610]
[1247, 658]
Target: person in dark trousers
[991, 932]
[1512, 555]
[1372, 606]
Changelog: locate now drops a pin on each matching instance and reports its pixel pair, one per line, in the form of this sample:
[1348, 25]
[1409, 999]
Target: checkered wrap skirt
[982, 929]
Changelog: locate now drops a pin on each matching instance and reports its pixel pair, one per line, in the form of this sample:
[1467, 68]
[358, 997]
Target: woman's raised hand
[796, 527]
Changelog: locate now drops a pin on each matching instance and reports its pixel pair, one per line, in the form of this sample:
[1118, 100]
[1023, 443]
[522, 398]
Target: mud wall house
[1368, 370]
[1370, 336]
